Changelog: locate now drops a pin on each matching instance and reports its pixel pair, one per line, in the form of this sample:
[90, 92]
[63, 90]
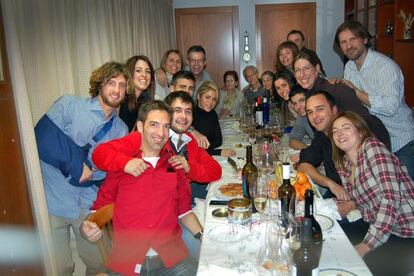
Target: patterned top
[382, 191]
[230, 102]
[383, 80]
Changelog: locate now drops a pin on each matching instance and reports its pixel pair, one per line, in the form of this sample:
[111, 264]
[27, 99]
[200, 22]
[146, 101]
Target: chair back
[103, 218]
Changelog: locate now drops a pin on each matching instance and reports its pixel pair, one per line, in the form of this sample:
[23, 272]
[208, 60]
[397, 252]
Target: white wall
[329, 15]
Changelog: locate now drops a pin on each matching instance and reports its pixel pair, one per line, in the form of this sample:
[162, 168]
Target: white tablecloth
[239, 258]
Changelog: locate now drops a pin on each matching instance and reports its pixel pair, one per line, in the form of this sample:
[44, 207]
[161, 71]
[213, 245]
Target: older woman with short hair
[230, 98]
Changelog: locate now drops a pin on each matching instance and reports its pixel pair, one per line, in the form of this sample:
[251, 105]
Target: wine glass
[294, 234]
[260, 194]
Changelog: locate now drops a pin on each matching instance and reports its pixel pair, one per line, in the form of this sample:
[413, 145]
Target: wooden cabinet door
[273, 23]
[216, 29]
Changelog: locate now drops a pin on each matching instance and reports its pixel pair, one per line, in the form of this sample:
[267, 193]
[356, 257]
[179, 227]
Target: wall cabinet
[381, 19]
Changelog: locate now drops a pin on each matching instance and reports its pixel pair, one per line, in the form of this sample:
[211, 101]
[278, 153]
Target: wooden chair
[103, 218]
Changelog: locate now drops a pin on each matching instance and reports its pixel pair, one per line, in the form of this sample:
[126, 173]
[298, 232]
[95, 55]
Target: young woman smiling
[381, 189]
[142, 74]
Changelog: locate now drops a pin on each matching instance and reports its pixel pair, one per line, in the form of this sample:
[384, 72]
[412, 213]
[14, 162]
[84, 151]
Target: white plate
[218, 194]
[325, 222]
[335, 272]
[221, 233]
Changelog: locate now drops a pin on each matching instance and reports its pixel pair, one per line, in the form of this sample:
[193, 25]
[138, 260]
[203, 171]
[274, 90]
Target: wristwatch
[198, 235]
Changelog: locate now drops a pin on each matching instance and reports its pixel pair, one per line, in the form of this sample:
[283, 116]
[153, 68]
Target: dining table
[224, 254]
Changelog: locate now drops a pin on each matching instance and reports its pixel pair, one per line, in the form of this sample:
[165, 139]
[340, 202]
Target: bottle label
[245, 186]
[259, 118]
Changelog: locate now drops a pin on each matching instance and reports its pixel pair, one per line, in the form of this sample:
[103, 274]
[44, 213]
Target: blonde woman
[171, 63]
[206, 119]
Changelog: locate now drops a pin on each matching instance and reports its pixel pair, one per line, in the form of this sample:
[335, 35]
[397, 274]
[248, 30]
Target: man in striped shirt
[379, 84]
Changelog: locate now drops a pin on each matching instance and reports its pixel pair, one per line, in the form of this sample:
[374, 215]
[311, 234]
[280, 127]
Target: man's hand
[344, 207]
[227, 152]
[135, 167]
[202, 140]
[338, 191]
[161, 77]
[179, 162]
[362, 249]
[90, 231]
[86, 174]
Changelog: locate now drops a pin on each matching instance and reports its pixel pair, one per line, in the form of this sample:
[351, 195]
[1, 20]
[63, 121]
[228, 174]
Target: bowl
[221, 212]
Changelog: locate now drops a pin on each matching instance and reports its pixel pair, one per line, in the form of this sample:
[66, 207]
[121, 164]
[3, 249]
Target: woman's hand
[362, 249]
[161, 77]
[344, 207]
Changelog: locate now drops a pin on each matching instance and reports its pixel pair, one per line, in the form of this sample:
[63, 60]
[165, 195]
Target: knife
[232, 163]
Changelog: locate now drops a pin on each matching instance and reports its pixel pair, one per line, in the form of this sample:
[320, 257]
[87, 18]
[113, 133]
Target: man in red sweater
[198, 165]
[147, 235]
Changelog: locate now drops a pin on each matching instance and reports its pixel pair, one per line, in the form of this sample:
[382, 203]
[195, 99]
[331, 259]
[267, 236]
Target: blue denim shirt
[80, 119]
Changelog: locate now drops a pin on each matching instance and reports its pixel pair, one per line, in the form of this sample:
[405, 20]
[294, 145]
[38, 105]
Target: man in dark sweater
[321, 109]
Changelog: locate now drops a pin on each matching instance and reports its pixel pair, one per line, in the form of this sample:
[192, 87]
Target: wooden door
[216, 29]
[273, 23]
[15, 204]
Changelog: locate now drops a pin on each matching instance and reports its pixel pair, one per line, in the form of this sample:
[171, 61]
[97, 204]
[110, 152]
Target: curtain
[62, 41]
[53, 46]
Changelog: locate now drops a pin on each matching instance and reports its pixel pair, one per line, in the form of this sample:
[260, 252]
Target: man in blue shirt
[66, 136]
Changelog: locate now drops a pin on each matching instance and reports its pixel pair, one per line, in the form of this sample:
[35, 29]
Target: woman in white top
[171, 63]
[231, 97]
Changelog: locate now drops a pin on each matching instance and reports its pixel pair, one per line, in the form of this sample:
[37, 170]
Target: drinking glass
[273, 256]
[294, 234]
[261, 194]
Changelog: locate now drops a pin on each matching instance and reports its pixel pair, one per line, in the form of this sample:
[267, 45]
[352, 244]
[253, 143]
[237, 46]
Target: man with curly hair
[66, 136]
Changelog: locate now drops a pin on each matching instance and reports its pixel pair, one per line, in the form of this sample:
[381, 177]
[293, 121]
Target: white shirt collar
[184, 138]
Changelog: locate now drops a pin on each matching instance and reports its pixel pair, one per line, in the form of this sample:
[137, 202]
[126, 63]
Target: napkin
[328, 207]
[200, 210]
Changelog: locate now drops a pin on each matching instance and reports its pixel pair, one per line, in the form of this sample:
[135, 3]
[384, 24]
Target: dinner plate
[219, 195]
[325, 222]
[222, 233]
[335, 272]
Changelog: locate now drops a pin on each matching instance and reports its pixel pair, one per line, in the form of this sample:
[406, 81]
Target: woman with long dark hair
[142, 74]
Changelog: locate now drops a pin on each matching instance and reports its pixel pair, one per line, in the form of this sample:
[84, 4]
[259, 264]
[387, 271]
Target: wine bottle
[286, 191]
[267, 158]
[305, 259]
[265, 112]
[249, 173]
[258, 111]
[316, 228]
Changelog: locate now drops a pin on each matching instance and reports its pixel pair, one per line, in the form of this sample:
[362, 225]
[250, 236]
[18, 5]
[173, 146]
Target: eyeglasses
[304, 70]
[196, 61]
